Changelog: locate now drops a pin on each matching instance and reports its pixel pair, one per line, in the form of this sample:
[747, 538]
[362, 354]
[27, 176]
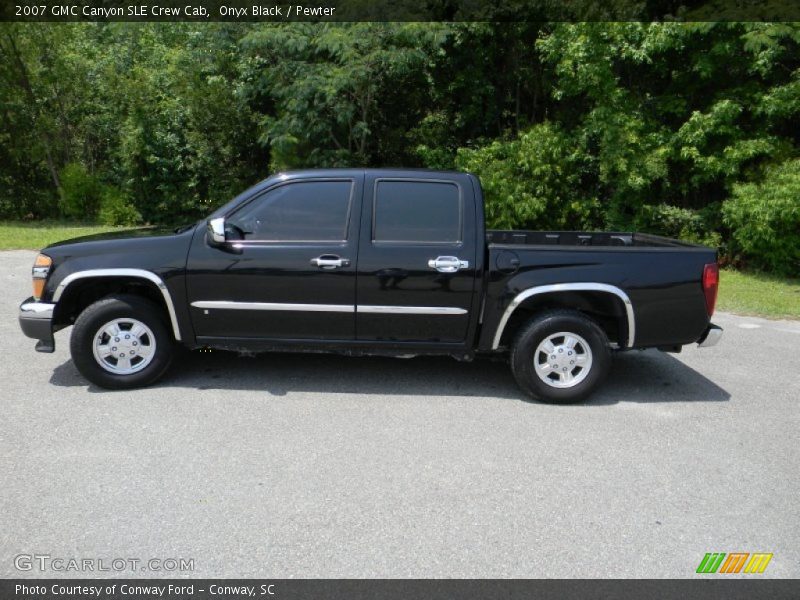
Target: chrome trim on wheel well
[569, 287]
[134, 273]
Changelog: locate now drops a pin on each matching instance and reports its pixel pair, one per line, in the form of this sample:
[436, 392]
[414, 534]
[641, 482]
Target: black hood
[126, 234]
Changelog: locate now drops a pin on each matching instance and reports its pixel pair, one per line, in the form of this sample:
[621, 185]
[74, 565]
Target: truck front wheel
[121, 342]
[560, 356]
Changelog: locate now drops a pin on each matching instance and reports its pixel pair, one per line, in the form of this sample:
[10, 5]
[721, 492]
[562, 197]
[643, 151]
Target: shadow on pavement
[654, 376]
[648, 376]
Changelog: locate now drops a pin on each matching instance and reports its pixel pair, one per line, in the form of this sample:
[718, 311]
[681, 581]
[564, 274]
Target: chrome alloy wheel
[563, 359]
[124, 346]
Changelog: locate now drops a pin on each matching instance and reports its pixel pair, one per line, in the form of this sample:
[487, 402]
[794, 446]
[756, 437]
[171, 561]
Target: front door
[416, 265]
[291, 274]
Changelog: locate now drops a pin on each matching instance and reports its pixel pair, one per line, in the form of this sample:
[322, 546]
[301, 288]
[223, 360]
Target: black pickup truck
[388, 262]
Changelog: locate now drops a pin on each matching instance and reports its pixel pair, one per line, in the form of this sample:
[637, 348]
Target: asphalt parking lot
[321, 466]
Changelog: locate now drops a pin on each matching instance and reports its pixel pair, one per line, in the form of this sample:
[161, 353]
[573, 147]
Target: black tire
[121, 306]
[536, 331]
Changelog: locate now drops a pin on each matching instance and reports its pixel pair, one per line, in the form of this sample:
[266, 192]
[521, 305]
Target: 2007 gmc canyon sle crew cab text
[375, 261]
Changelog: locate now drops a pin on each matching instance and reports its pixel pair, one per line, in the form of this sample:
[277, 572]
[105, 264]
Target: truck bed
[660, 276]
[581, 238]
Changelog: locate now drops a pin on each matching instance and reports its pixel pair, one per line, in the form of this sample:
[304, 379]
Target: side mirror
[216, 230]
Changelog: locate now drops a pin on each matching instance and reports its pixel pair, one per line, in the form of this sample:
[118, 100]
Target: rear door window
[417, 211]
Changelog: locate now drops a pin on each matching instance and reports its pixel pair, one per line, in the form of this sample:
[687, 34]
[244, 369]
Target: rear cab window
[417, 212]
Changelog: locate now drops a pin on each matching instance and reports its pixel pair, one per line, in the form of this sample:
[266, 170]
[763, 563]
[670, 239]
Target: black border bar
[712, 588]
[397, 10]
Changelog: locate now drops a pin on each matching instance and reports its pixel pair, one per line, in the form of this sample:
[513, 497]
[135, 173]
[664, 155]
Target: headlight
[41, 269]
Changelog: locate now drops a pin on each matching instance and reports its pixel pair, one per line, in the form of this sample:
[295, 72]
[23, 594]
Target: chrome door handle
[448, 264]
[330, 261]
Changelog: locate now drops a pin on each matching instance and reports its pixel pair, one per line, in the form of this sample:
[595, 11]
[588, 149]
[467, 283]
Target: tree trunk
[25, 84]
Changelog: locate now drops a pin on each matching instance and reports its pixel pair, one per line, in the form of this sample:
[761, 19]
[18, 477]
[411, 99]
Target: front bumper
[710, 337]
[36, 321]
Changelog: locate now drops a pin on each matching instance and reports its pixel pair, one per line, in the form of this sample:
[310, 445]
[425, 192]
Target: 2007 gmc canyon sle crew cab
[389, 262]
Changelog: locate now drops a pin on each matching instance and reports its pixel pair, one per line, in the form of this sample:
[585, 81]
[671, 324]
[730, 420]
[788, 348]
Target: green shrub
[694, 226]
[764, 219]
[116, 210]
[82, 192]
[532, 181]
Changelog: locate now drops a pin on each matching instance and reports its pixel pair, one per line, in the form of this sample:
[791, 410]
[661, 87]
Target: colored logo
[736, 562]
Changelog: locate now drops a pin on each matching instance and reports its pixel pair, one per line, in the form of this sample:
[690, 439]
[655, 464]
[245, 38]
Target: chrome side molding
[339, 308]
[230, 305]
[137, 273]
[411, 310]
[569, 287]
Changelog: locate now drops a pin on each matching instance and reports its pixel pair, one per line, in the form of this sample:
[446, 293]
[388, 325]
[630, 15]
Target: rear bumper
[36, 321]
[710, 337]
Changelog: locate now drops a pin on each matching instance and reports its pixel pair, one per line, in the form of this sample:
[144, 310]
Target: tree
[343, 94]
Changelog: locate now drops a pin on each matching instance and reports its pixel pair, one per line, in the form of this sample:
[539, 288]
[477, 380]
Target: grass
[23, 235]
[759, 294]
[740, 292]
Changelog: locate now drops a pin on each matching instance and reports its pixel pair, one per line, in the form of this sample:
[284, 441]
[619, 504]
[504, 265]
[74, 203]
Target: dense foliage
[687, 130]
[765, 218]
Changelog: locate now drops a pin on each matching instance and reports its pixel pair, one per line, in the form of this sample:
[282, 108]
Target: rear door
[417, 257]
[293, 275]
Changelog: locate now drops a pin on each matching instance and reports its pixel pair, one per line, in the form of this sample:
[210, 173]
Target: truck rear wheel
[121, 342]
[560, 356]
